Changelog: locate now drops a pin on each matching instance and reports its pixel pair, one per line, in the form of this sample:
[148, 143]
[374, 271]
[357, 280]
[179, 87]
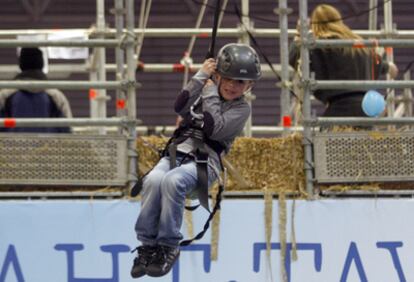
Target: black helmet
[238, 61]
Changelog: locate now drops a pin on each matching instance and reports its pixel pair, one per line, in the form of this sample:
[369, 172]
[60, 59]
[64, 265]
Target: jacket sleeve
[61, 102]
[382, 66]
[223, 125]
[190, 93]
[294, 54]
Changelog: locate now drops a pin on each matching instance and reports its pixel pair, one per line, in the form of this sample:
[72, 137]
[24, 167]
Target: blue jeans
[163, 199]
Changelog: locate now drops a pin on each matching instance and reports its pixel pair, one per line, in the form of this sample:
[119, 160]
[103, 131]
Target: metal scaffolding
[392, 38]
[124, 44]
[124, 39]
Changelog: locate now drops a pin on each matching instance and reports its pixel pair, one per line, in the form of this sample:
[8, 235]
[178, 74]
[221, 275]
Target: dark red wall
[155, 98]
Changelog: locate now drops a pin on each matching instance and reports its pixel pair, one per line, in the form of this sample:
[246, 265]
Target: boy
[211, 103]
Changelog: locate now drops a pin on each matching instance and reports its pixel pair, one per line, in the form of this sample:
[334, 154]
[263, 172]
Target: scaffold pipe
[168, 130]
[338, 43]
[84, 68]
[64, 122]
[353, 121]
[360, 84]
[63, 84]
[188, 32]
[7, 43]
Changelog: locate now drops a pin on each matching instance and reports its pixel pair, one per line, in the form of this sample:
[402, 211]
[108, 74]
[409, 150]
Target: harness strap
[201, 160]
[210, 217]
[138, 186]
[172, 152]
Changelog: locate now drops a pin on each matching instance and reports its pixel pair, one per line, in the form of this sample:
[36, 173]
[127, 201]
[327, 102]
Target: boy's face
[231, 89]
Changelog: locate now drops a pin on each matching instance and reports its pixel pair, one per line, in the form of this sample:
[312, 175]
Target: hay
[215, 227]
[188, 219]
[268, 211]
[149, 149]
[275, 164]
[283, 236]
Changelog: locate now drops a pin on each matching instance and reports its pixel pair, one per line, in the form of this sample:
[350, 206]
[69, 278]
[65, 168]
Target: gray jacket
[223, 120]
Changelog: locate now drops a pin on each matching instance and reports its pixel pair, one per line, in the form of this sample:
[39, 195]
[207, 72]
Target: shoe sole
[138, 275]
[163, 273]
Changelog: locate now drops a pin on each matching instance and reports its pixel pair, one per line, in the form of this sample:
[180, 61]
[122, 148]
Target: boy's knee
[172, 184]
[153, 178]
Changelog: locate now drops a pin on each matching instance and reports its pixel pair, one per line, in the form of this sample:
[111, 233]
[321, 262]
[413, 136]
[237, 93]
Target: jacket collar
[31, 75]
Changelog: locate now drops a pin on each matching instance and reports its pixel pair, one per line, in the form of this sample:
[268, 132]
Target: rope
[187, 55]
[143, 21]
[210, 53]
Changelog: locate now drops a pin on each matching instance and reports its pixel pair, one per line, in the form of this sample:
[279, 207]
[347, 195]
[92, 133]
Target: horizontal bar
[338, 43]
[321, 121]
[11, 70]
[256, 130]
[255, 194]
[62, 84]
[188, 32]
[199, 32]
[60, 194]
[360, 84]
[5, 43]
[12, 33]
[63, 122]
[258, 32]
[353, 193]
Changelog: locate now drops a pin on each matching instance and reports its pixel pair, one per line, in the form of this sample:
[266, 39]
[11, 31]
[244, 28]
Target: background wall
[155, 98]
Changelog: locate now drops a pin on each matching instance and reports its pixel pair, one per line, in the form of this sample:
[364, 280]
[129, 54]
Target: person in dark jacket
[340, 63]
[42, 103]
[219, 89]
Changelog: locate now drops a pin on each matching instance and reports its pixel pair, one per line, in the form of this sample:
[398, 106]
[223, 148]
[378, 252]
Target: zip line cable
[363, 12]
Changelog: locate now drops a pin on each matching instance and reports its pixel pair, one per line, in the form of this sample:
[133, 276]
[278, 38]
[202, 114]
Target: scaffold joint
[283, 11]
[127, 39]
[118, 11]
[126, 84]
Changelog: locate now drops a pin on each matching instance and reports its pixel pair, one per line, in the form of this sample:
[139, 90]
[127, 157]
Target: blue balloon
[373, 103]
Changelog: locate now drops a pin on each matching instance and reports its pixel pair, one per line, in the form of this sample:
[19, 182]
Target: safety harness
[192, 127]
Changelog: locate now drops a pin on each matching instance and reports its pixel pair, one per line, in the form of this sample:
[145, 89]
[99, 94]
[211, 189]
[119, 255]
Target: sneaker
[163, 261]
[145, 254]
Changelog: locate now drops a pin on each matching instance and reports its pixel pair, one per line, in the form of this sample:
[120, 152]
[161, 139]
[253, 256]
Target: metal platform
[355, 157]
[63, 159]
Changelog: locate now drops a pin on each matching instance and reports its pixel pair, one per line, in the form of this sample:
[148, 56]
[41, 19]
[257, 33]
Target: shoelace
[145, 254]
[160, 256]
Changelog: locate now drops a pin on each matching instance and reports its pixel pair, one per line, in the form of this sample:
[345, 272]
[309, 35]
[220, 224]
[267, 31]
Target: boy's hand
[209, 82]
[392, 70]
[209, 66]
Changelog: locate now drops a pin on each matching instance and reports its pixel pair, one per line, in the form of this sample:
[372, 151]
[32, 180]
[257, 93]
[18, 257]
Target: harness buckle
[201, 160]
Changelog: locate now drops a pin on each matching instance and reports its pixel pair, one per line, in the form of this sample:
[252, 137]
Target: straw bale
[275, 164]
[149, 149]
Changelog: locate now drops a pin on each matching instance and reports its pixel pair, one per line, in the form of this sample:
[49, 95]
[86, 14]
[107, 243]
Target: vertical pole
[131, 99]
[246, 40]
[119, 57]
[373, 15]
[388, 27]
[284, 58]
[93, 76]
[100, 25]
[408, 96]
[304, 51]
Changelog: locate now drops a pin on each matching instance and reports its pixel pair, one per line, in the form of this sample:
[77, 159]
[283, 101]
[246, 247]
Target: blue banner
[90, 241]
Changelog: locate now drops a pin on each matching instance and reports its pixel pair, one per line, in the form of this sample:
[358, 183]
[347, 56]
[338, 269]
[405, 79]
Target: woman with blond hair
[345, 63]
